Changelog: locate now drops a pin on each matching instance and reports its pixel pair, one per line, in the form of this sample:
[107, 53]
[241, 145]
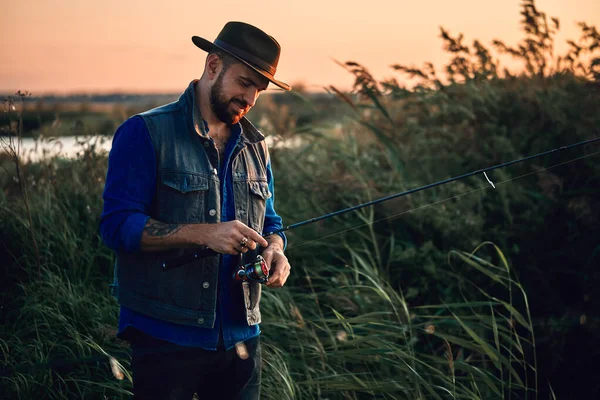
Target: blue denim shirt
[127, 196]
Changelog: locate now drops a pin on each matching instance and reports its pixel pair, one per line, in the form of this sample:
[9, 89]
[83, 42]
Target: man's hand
[224, 237]
[277, 262]
[227, 238]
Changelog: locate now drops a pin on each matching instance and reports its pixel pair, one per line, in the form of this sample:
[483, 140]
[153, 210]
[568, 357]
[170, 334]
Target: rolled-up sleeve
[129, 188]
[272, 219]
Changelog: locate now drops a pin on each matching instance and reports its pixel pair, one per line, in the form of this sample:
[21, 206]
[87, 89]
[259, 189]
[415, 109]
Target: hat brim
[209, 46]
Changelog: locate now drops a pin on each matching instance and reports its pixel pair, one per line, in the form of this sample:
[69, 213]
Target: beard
[222, 106]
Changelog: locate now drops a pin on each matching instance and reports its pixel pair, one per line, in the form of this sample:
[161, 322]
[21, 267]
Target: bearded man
[196, 174]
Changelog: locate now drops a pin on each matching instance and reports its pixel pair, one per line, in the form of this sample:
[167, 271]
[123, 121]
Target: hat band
[246, 56]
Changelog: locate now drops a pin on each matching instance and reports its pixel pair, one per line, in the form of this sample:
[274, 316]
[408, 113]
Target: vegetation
[462, 291]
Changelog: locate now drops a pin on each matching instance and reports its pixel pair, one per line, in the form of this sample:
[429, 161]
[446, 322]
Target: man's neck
[219, 131]
[203, 104]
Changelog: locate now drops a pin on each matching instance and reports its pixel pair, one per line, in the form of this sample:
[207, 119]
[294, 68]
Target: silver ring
[244, 242]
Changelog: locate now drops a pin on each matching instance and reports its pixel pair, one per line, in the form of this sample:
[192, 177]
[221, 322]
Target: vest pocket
[182, 195]
[259, 193]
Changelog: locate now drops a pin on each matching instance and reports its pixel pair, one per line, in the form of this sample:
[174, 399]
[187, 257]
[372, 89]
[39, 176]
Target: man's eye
[245, 84]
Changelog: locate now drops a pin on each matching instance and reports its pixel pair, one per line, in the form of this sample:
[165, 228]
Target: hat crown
[251, 40]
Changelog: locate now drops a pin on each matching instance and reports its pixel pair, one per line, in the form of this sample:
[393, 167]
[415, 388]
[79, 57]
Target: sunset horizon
[110, 48]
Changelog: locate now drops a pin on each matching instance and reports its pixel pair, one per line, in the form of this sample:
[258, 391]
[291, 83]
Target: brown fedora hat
[250, 45]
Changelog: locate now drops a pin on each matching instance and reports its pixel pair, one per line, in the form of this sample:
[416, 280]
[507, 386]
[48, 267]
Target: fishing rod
[256, 269]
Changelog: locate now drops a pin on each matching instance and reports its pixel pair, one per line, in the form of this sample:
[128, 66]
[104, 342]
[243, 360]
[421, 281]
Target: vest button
[205, 285]
[212, 212]
[200, 321]
[206, 143]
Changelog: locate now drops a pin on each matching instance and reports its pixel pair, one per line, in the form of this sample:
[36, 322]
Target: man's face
[235, 91]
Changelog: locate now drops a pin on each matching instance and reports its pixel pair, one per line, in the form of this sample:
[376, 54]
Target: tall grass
[345, 333]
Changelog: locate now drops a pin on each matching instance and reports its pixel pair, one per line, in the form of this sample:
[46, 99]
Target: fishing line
[180, 261]
[438, 202]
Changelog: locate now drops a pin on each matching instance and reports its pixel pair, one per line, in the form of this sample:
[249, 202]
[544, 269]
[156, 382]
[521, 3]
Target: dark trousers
[166, 371]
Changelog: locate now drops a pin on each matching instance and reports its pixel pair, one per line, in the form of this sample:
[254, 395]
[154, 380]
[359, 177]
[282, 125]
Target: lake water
[73, 146]
[64, 146]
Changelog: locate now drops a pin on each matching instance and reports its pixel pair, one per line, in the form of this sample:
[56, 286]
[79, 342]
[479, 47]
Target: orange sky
[144, 45]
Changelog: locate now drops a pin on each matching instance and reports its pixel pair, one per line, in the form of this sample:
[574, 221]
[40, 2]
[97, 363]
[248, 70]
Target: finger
[273, 283]
[268, 257]
[236, 250]
[280, 275]
[243, 244]
[246, 239]
[281, 281]
[276, 283]
[273, 275]
[241, 247]
[251, 234]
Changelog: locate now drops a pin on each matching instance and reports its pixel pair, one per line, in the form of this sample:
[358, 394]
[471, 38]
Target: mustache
[241, 104]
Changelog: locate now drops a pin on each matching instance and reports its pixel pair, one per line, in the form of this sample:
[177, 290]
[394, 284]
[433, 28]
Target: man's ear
[213, 66]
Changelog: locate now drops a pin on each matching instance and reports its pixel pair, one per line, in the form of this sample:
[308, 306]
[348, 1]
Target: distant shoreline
[95, 97]
[119, 97]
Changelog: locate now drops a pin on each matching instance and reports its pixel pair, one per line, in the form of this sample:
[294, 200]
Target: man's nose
[250, 97]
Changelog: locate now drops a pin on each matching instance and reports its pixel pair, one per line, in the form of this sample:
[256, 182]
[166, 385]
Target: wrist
[275, 242]
[197, 236]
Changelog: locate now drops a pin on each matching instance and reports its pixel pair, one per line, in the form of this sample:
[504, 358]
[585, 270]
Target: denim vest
[188, 191]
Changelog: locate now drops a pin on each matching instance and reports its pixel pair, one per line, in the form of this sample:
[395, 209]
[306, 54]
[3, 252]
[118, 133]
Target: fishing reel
[251, 265]
[256, 270]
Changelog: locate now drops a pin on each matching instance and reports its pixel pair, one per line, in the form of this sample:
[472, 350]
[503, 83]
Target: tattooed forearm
[156, 228]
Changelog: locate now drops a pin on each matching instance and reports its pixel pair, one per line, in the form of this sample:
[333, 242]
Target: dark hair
[227, 59]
